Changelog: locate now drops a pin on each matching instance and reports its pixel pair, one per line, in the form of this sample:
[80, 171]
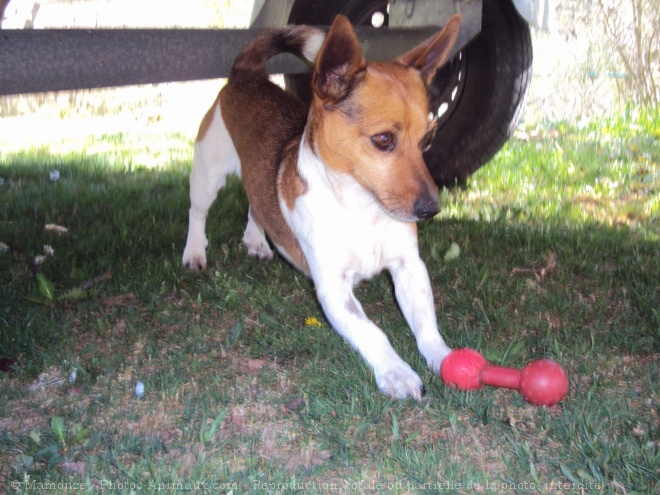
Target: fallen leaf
[453, 252]
[56, 228]
[74, 294]
[46, 288]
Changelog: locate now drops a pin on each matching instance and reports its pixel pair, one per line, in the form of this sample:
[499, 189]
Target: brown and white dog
[338, 187]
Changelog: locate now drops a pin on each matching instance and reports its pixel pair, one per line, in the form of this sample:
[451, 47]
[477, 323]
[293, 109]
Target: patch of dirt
[121, 300]
[159, 419]
[260, 420]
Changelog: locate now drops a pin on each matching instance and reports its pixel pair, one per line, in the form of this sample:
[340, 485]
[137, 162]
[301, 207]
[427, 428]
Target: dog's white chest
[357, 241]
[341, 226]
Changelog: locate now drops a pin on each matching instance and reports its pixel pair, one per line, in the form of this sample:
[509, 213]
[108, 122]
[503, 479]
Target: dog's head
[371, 120]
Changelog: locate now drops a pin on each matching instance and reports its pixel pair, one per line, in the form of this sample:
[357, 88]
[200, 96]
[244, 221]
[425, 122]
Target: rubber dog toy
[542, 382]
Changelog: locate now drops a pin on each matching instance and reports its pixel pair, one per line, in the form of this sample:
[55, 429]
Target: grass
[246, 387]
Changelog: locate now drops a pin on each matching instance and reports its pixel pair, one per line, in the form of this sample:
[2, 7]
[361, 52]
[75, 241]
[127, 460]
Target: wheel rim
[372, 14]
[447, 88]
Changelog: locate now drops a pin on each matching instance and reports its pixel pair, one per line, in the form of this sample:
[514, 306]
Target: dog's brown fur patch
[262, 148]
[207, 120]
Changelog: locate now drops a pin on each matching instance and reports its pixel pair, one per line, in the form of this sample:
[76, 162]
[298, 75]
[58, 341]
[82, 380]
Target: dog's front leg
[394, 376]
[415, 296]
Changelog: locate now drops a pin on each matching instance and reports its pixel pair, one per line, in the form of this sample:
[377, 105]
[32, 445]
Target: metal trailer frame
[37, 60]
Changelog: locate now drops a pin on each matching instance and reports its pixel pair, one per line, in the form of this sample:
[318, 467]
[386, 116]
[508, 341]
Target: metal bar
[39, 60]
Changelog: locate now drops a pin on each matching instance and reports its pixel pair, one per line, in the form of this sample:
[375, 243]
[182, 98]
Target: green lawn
[246, 387]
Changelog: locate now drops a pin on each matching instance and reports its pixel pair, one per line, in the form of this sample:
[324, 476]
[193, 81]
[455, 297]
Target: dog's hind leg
[254, 239]
[214, 159]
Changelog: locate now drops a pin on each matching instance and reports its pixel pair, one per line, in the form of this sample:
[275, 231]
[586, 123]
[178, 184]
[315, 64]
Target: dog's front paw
[399, 381]
[434, 352]
[194, 257]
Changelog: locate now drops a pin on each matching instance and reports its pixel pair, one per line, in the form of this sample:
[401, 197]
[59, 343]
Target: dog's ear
[433, 52]
[339, 61]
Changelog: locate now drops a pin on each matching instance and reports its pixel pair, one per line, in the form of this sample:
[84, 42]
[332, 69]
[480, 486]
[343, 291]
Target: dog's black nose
[426, 207]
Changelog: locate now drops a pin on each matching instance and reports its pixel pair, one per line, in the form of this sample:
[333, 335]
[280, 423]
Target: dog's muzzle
[426, 207]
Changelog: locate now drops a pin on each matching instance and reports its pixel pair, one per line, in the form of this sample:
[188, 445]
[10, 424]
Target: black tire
[481, 91]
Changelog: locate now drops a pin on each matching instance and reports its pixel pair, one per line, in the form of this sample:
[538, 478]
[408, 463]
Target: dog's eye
[427, 141]
[383, 141]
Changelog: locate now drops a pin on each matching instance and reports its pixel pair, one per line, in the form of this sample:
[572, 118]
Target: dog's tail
[302, 41]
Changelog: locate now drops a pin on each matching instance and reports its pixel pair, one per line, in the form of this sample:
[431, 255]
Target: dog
[338, 186]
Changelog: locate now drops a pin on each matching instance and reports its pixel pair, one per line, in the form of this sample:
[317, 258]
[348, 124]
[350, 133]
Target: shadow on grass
[298, 402]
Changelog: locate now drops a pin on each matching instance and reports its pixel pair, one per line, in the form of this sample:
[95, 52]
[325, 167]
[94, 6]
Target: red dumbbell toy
[542, 382]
